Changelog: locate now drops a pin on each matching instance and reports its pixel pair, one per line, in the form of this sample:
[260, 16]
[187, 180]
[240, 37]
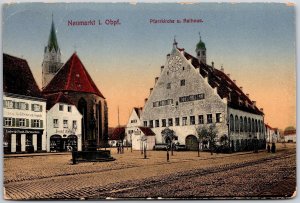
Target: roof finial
[74, 46]
[175, 43]
[199, 36]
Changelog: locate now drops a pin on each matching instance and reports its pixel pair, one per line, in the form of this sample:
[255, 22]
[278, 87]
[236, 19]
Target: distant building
[134, 121]
[290, 134]
[272, 134]
[117, 136]
[63, 124]
[24, 108]
[190, 93]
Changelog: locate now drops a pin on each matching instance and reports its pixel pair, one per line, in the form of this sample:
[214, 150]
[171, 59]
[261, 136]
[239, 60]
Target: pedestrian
[273, 148]
[269, 148]
[118, 148]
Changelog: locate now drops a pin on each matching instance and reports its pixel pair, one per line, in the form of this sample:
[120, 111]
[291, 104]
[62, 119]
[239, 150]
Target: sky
[255, 43]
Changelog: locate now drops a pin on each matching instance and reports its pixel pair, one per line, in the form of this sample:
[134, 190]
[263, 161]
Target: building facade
[63, 124]
[190, 94]
[24, 108]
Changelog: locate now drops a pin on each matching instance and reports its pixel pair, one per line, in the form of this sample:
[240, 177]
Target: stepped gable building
[24, 108]
[190, 93]
[63, 124]
[52, 57]
[75, 83]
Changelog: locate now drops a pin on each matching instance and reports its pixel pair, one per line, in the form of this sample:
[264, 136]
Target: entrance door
[55, 143]
[18, 143]
[191, 143]
[7, 143]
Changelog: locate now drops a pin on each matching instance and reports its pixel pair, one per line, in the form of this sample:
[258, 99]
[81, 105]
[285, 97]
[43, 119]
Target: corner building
[190, 93]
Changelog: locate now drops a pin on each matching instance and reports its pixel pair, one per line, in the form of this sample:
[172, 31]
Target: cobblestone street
[241, 175]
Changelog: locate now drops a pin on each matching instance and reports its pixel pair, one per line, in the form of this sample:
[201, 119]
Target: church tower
[201, 51]
[51, 63]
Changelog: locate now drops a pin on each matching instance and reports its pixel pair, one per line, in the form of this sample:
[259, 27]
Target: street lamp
[130, 141]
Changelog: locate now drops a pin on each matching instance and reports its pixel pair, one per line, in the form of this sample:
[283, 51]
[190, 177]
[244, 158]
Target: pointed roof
[226, 88]
[147, 131]
[72, 77]
[52, 41]
[55, 98]
[138, 111]
[18, 78]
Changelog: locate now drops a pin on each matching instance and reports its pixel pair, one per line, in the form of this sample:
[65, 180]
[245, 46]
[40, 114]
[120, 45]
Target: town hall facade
[190, 94]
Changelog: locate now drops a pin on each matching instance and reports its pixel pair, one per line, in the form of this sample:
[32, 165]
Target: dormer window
[61, 107]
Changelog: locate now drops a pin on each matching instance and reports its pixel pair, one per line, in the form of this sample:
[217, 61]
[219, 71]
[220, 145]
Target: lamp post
[130, 141]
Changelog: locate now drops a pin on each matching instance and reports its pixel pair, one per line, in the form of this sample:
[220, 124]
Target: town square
[199, 108]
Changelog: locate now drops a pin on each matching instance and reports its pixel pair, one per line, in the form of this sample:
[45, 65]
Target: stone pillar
[34, 141]
[13, 142]
[44, 140]
[79, 143]
[23, 142]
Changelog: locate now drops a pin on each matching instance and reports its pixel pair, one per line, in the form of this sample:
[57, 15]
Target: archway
[191, 143]
[55, 143]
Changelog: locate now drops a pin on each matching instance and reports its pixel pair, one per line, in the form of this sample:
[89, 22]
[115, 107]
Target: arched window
[231, 123]
[237, 124]
[245, 124]
[249, 125]
[256, 126]
[252, 126]
[241, 124]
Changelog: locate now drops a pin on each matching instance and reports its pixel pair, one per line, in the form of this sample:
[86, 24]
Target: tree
[209, 134]
[169, 135]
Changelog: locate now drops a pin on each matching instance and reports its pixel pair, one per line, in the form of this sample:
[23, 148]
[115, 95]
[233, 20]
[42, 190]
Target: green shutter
[13, 122]
[41, 108]
[27, 122]
[14, 104]
[27, 107]
[17, 122]
[41, 122]
[32, 107]
[31, 123]
[4, 103]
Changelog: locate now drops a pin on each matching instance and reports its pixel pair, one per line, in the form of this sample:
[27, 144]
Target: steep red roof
[72, 77]
[225, 86]
[290, 132]
[118, 134]
[138, 111]
[147, 131]
[54, 98]
[18, 78]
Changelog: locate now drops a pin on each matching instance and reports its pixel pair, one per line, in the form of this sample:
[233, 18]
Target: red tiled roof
[18, 78]
[147, 131]
[289, 132]
[72, 77]
[138, 111]
[54, 98]
[118, 134]
[225, 86]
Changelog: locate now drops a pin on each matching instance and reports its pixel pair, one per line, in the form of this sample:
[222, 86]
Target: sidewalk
[35, 154]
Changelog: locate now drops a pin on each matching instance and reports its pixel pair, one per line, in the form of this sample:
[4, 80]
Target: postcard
[149, 101]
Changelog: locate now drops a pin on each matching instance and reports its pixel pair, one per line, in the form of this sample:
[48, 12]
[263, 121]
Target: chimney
[234, 81]
[241, 88]
[146, 99]
[222, 69]
[156, 79]
[254, 103]
[212, 64]
[248, 95]
[261, 109]
[161, 68]
[228, 75]
[151, 90]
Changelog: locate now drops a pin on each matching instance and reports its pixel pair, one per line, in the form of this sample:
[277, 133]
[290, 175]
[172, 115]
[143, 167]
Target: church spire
[201, 51]
[52, 42]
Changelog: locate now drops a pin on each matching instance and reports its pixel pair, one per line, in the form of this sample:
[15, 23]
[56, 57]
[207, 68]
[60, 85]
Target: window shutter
[17, 122]
[27, 107]
[27, 122]
[31, 123]
[32, 107]
[4, 103]
[41, 121]
[13, 122]
[14, 104]
[221, 117]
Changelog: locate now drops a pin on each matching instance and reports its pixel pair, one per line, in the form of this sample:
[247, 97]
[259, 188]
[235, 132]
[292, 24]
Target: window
[145, 123]
[201, 119]
[249, 125]
[203, 53]
[157, 123]
[252, 126]
[151, 123]
[164, 123]
[231, 123]
[241, 124]
[209, 118]
[177, 121]
[28, 141]
[69, 108]
[218, 117]
[7, 121]
[8, 104]
[192, 120]
[74, 124]
[168, 85]
[170, 121]
[35, 123]
[256, 126]
[21, 122]
[191, 98]
[184, 120]
[130, 132]
[65, 123]
[182, 82]
[133, 121]
[55, 123]
[23, 106]
[237, 124]
[36, 107]
[198, 53]
[61, 107]
[245, 124]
